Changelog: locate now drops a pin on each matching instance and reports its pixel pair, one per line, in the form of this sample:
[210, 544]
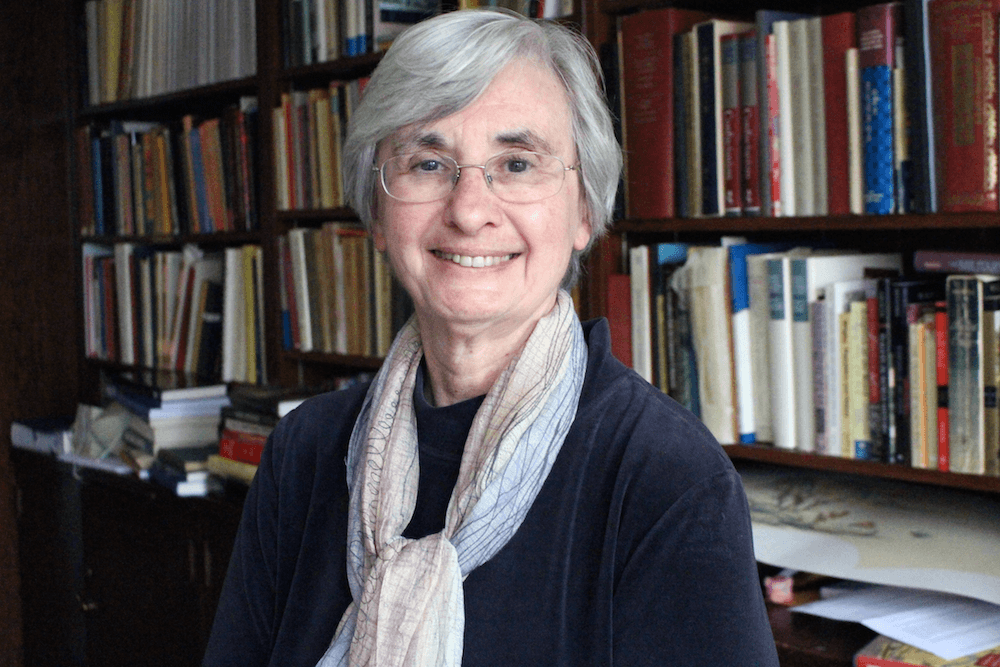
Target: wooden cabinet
[116, 571]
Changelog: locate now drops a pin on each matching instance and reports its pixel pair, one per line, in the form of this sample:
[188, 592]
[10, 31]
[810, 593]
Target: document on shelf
[947, 625]
[876, 531]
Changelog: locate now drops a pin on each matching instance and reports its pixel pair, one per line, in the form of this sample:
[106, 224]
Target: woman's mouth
[474, 261]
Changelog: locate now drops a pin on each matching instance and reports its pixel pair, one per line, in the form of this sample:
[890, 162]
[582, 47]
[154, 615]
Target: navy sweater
[637, 550]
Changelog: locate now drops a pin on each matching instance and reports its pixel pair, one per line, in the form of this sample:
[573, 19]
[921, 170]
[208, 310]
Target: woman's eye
[516, 165]
[428, 165]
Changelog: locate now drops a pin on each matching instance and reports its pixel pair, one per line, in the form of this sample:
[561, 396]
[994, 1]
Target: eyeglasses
[520, 177]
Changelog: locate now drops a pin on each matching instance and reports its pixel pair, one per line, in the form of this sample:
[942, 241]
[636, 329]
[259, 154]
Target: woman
[505, 492]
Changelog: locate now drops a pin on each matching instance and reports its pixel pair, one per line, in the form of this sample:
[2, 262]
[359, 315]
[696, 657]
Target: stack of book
[162, 417]
[865, 112]
[826, 350]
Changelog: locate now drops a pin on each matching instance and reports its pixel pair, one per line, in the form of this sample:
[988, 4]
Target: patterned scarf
[408, 606]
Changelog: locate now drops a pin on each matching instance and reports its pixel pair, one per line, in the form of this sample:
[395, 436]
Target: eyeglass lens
[518, 177]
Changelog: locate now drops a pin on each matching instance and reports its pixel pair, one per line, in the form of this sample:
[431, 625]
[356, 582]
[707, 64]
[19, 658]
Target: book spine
[941, 362]
[876, 370]
[788, 174]
[750, 125]
[682, 158]
[965, 112]
[708, 102]
[839, 35]
[858, 425]
[772, 167]
[921, 186]
[877, 32]
[731, 122]
[965, 373]
[782, 363]
[953, 261]
[240, 446]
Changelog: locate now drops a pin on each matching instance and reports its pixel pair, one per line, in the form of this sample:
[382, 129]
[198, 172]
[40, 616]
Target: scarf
[408, 606]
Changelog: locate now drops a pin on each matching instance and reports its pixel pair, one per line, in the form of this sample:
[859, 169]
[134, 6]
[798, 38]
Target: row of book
[823, 350]
[185, 310]
[308, 135]
[142, 48]
[337, 292]
[316, 31]
[198, 176]
[798, 115]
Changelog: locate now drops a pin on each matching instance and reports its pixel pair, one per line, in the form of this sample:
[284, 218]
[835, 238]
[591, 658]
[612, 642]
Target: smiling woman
[504, 492]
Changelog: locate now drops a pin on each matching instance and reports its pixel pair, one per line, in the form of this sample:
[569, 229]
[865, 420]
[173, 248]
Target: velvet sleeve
[689, 593]
[242, 631]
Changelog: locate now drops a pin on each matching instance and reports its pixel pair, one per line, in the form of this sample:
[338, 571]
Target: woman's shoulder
[649, 433]
[320, 424]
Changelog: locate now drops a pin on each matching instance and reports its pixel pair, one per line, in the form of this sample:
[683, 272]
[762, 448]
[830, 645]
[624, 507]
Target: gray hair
[441, 65]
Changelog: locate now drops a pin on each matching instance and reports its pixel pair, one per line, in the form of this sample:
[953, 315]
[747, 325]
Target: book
[706, 277]
[921, 188]
[856, 420]
[789, 170]
[808, 275]
[231, 469]
[750, 124]
[768, 103]
[780, 351]
[879, 27]
[956, 261]
[923, 386]
[748, 338]
[709, 36]
[967, 359]
[838, 36]
[941, 376]
[833, 428]
[732, 135]
[963, 39]
[647, 82]
[883, 651]
[642, 322]
[905, 293]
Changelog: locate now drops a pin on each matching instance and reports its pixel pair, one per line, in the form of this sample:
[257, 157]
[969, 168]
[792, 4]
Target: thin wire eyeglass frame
[487, 176]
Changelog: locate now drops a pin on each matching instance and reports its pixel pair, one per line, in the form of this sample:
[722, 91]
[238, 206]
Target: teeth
[474, 262]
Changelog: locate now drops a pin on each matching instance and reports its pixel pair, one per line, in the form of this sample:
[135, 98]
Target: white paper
[949, 626]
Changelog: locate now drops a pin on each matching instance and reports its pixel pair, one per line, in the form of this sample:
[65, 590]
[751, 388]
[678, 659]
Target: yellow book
[230, 469]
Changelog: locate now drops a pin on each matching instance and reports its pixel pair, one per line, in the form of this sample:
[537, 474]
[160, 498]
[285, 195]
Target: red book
[731, 122]
[647, 55]
[839, 34]
[963, 58]
[620, 316]
[941, 365]
[240, 446]
[773, 114]
[750, 123]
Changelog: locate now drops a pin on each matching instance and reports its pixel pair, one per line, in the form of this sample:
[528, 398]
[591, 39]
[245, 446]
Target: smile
[477, 261]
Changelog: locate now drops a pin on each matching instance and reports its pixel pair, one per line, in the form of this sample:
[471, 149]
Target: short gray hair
[441, 65]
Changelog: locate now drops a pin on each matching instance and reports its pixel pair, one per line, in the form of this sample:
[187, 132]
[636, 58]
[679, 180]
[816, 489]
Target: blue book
[878, 31]
[919, 181]
[205, 222]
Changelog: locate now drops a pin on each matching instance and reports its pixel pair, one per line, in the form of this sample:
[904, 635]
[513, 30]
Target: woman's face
[525, 248]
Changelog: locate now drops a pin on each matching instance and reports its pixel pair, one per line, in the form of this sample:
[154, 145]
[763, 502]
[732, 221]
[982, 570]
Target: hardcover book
[963, 74]
[879, 28]
[647, 92]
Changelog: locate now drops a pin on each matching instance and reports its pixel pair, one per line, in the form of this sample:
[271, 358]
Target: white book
[760, 358]
[300, 278]
[799, 123]
[808, 275]
[817, 107]
[855, 147]
[707, 270]
[783, 69]
[642, 343]
[233, 333]
[126, 297]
